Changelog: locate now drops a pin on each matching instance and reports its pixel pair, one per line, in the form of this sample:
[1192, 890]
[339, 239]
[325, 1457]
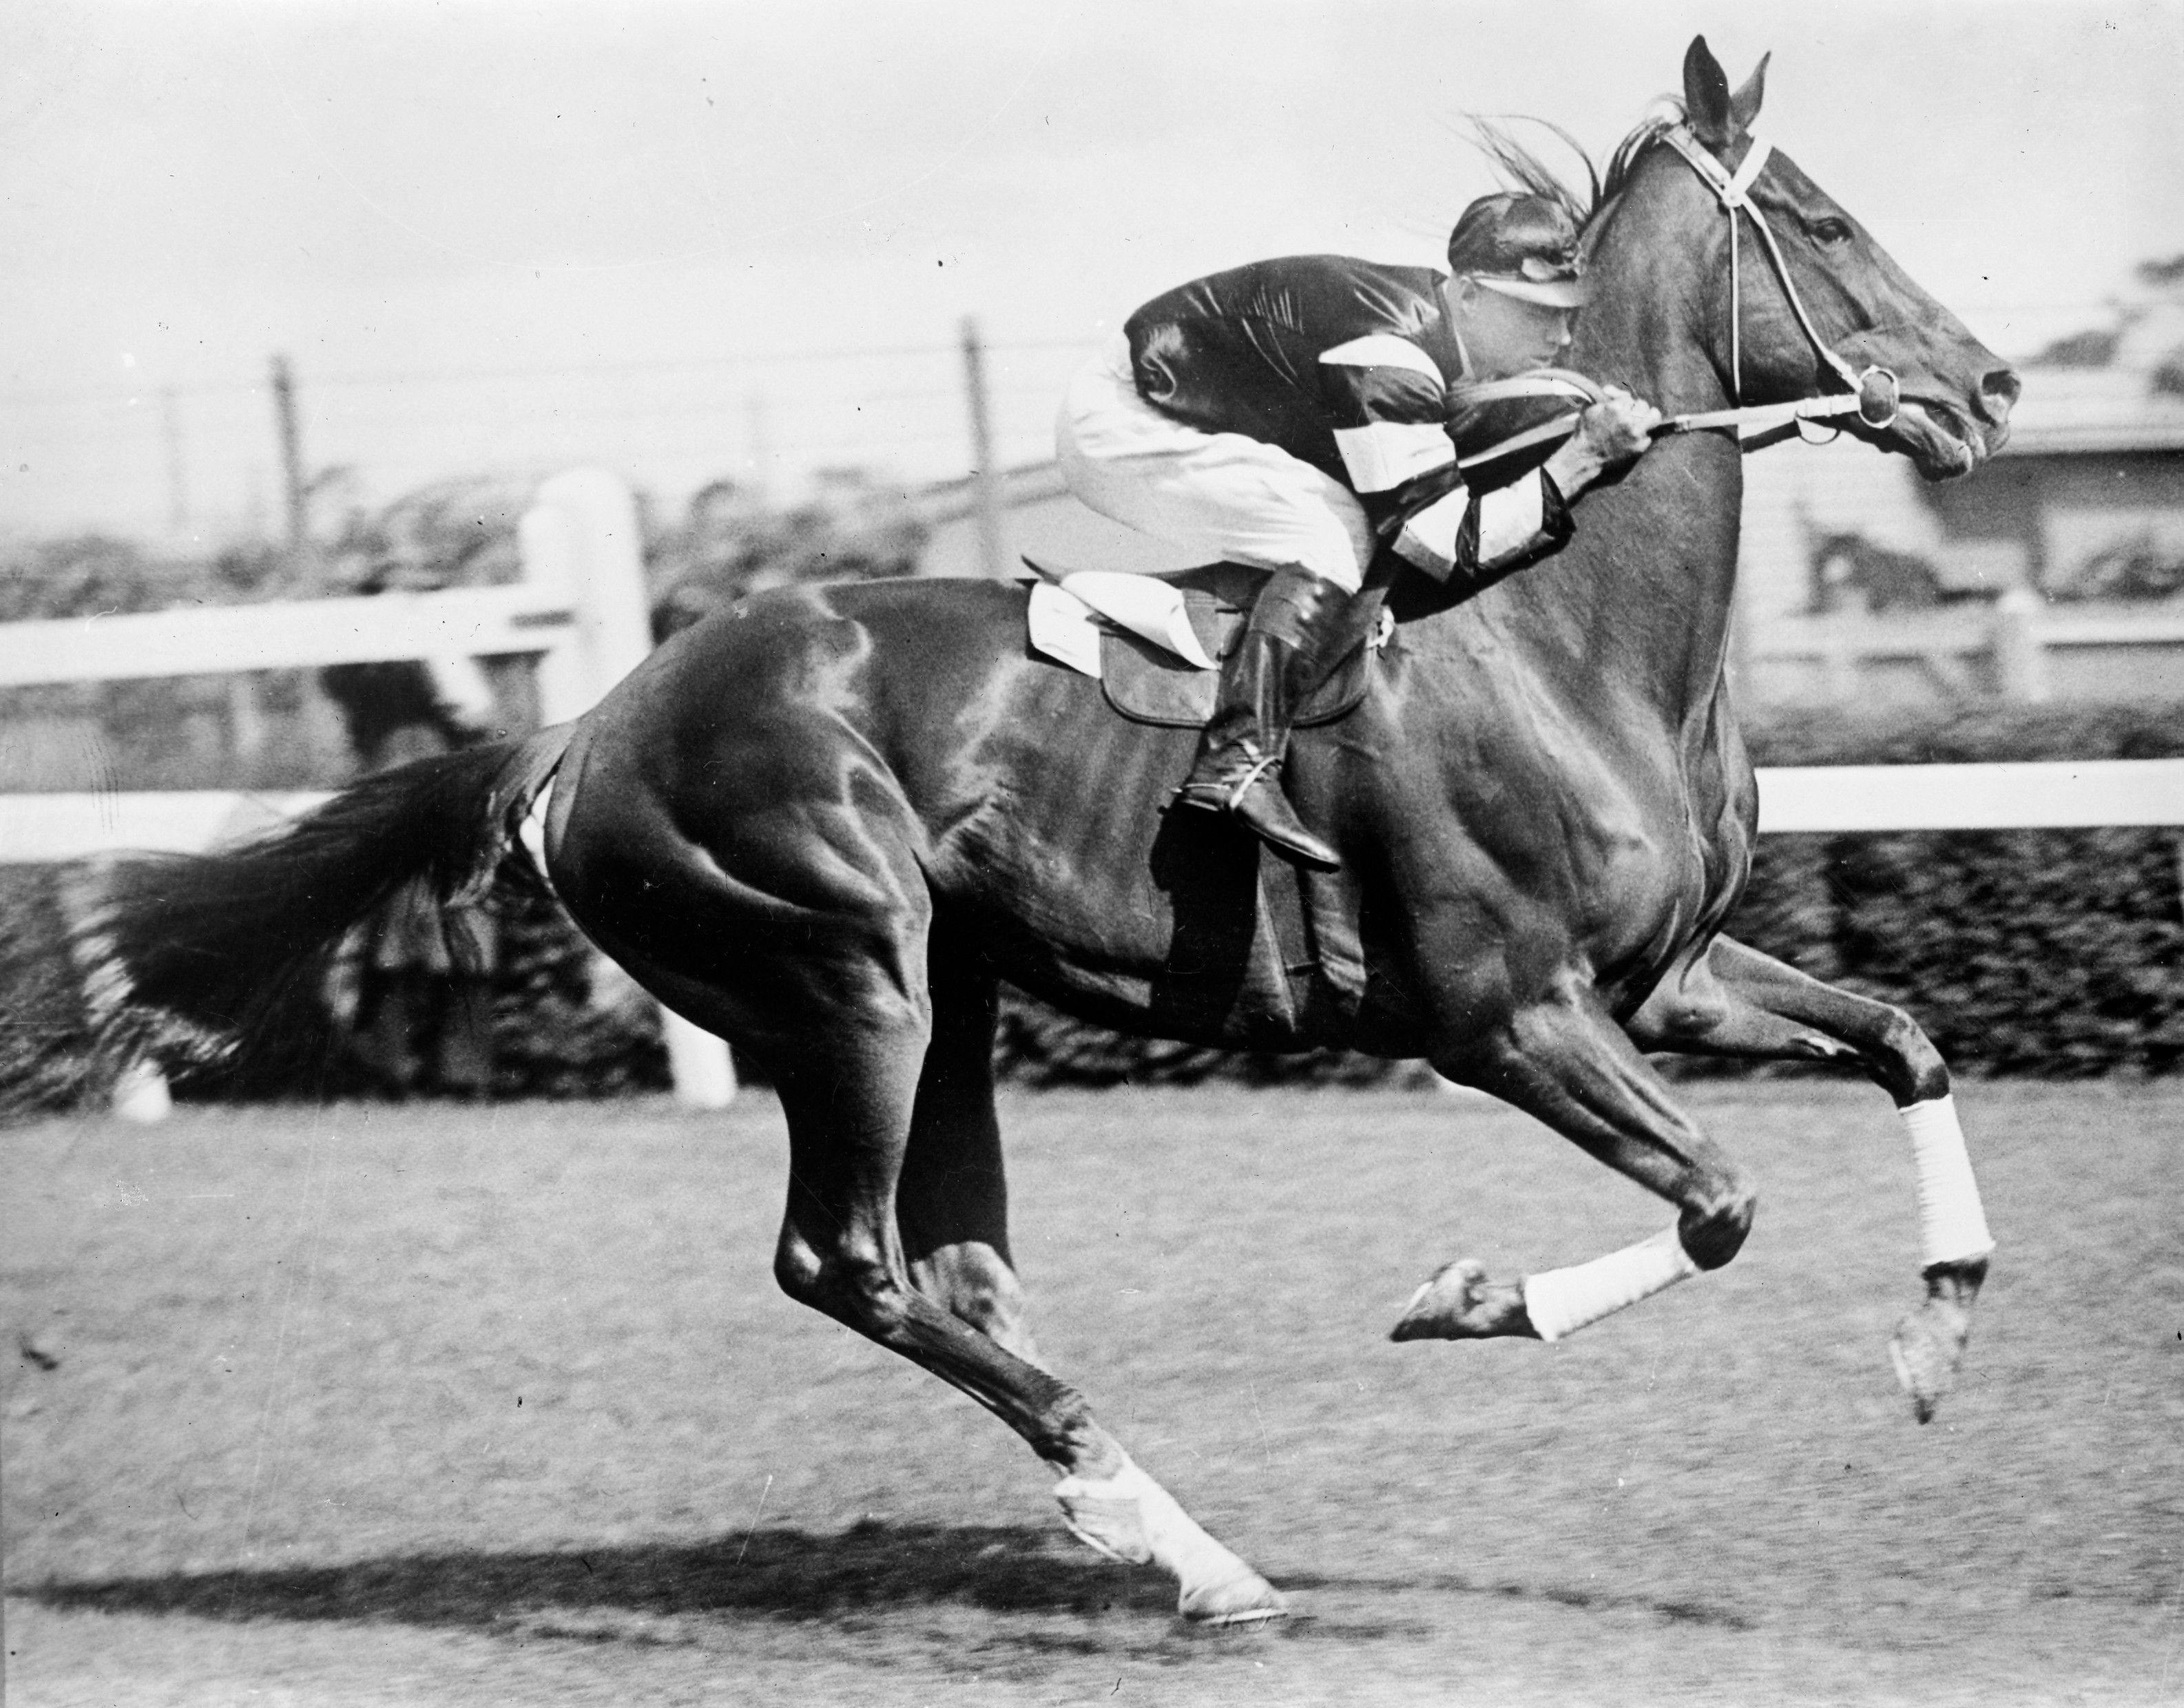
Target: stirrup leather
[1236, 782]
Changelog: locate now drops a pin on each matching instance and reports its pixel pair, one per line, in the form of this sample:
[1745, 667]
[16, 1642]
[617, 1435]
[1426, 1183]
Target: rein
[1874, 393]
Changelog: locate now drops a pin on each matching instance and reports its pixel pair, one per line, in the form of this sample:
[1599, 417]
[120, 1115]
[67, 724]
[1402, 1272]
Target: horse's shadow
[871, 1569]
[778, 1573]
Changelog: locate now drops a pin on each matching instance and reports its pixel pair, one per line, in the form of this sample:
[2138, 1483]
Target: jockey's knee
[1713, 1229]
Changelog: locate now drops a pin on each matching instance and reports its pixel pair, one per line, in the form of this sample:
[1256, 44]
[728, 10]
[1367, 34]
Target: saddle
[1255, 934]
[1151, 683]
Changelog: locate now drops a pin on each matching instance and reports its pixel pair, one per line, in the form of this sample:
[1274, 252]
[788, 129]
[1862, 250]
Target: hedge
[2054, 953]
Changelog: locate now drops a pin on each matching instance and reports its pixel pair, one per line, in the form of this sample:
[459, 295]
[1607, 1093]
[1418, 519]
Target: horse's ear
[1744, 105]
[1706, 96]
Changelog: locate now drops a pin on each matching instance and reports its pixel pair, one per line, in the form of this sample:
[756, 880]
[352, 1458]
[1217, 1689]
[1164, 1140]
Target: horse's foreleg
[1565, 1061]
[1732, 1000]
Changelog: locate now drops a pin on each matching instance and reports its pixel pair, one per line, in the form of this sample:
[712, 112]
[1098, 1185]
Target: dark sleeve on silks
[1384, 402]
[1468, 541]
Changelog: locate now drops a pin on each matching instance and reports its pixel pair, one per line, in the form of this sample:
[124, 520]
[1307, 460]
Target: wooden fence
[580, 609]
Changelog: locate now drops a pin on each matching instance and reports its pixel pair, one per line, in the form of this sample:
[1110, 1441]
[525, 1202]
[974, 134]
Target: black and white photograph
[1229, 852]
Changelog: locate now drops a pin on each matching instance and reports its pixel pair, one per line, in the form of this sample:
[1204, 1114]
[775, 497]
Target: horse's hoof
[1457, 1304]
[1248, 1599]
[1926, 1348]
[1131, 1518]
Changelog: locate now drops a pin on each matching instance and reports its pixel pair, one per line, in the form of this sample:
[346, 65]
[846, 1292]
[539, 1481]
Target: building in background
[2057, 571]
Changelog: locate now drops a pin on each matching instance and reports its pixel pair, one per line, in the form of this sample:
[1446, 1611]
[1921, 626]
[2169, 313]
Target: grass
[408, 1406]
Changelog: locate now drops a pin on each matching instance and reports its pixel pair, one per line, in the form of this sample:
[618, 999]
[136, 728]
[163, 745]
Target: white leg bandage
[1130, 1517]
[1951, 1226]
[1562, 1301]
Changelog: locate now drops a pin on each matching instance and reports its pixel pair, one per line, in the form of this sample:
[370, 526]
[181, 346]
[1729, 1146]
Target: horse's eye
[1831, 231]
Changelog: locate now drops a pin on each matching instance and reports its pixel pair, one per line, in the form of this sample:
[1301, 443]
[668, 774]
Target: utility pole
[171, 428]
[985, 478]
[762, 454]
[292, 449]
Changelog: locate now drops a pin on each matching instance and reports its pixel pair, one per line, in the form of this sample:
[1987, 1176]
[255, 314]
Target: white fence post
[140, 1093]
[580, 536]
[2020, 659]
[581, 542]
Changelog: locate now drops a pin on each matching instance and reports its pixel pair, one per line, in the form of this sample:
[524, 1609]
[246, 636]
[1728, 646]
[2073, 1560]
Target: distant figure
[1852, 573]
[424, 1011]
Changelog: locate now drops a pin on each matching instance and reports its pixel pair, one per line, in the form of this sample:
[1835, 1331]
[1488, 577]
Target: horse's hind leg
[773, 909]
[1565, 1061]
[1732, 1000]
[857, 1098]
[951, 1205]
[952, 1201]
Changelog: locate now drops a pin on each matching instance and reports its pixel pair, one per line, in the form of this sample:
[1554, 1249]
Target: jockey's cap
[1522, 246]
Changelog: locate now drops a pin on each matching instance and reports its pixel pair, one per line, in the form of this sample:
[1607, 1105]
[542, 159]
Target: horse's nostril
[1998, 392]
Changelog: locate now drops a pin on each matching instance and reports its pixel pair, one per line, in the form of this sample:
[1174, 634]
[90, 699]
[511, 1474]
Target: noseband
[1874, 393]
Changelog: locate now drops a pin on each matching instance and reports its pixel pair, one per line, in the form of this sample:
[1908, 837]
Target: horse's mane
[1522, 168]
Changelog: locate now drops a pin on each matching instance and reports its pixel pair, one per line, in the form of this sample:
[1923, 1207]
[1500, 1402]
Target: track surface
[372, 1405]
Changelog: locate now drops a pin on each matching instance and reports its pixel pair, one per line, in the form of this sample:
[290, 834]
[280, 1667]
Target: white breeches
[1234, 498]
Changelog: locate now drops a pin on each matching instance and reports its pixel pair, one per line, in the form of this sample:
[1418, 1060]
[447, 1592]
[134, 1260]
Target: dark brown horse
[826, 823]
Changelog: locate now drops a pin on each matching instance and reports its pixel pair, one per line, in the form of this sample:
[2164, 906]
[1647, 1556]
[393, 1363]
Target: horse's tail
[190, 951]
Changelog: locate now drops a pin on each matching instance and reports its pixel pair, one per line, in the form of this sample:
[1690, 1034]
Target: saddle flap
[1148, 681]
[1149, 685]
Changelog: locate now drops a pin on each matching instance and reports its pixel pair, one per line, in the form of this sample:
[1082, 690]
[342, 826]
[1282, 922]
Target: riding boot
[1280, 655]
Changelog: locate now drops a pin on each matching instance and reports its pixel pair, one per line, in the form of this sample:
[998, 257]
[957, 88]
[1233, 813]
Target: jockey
[1294, 415]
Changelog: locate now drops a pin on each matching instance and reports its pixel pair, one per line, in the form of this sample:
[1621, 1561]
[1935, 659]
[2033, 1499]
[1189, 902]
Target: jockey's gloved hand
[1610, 434]
[1619, 427]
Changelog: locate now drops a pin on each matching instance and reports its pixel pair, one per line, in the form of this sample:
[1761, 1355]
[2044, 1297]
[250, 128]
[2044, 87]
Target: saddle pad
[1149, 685]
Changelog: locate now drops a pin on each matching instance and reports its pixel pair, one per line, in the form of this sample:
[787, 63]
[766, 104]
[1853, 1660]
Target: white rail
[2041, 795]
[47, 830]
[473, 622]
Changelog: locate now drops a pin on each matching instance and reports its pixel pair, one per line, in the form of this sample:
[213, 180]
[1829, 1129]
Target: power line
[427, 376]
[536, 371]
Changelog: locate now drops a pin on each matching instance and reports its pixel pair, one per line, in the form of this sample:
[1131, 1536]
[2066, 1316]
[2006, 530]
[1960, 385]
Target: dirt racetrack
[448, 1406]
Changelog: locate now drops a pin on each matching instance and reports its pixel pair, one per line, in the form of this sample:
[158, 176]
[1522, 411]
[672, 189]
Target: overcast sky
[689, 241]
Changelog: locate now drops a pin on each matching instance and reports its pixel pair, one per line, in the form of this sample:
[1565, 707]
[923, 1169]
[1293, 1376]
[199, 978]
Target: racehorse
[825, 824]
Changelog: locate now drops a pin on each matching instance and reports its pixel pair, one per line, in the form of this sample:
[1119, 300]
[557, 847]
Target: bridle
[1876, 393]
